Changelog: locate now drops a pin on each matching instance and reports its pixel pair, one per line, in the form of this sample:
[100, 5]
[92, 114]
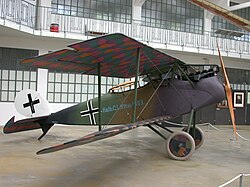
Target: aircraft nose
[214, 89]
[217, 90]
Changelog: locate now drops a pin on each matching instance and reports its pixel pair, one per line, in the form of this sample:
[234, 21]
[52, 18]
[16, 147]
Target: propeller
[228, 90]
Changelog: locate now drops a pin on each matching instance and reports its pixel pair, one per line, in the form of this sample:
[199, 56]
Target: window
[179, 15]
[14, 77]
[75, 88]
[112, 10]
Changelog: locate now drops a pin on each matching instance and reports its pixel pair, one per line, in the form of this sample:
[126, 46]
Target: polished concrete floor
[135, 158]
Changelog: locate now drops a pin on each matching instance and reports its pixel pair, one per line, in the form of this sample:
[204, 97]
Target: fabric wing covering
[116, 53]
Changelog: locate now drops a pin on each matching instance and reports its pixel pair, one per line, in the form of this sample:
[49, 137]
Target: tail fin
[26, 125]
[30, 103]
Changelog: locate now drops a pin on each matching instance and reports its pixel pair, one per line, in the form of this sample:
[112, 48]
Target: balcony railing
[18, 11]
[41, 18]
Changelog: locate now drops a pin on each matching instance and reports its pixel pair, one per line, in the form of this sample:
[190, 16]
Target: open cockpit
[188, 72]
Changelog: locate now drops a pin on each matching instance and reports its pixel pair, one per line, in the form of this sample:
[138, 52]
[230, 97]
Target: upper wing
[102, 134]
[117, 54]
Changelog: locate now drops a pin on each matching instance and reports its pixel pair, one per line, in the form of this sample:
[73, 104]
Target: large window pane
[101, 9]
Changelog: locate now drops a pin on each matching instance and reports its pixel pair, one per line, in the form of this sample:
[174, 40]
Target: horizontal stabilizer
[101, 135]
[22, 125]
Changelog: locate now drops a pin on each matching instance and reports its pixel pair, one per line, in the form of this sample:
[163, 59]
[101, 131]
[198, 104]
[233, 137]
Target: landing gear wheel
[180, 145]
[198, 138]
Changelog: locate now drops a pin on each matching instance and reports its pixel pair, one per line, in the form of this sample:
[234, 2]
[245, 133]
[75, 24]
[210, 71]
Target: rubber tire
[190, 138]
[201, 134]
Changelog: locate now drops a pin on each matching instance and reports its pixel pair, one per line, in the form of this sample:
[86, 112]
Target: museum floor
[135, 158]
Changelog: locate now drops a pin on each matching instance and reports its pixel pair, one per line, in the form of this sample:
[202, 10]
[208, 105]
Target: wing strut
[136, 82]
[99, 98]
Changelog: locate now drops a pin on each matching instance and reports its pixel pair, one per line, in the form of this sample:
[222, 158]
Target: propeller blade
[228, 90]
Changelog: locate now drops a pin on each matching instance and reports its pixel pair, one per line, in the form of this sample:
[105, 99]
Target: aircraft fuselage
[174, 97]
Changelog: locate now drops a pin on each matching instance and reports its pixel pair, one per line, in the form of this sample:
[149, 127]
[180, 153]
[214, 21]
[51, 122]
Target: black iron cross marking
[90, 112]
[31, 103]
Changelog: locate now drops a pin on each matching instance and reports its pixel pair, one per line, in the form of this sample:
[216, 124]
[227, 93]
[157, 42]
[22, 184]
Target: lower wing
[102, 134]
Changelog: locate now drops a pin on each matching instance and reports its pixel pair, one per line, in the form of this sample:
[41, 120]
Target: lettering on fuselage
[121, 106]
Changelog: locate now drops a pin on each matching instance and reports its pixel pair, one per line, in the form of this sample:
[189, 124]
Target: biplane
[171, 88]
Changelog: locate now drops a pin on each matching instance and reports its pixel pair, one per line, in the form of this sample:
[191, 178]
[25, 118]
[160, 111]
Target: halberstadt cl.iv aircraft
[172, 88]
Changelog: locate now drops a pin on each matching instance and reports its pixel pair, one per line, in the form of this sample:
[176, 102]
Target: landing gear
[197, 135]
[180, 145]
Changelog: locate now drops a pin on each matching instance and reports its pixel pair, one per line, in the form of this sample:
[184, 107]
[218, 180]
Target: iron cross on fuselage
[31, 103]
[90, 112]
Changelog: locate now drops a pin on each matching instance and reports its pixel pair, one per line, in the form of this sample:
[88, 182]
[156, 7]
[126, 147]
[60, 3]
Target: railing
[136, 30]
[240, 177]
[41, 18]
[18, 11]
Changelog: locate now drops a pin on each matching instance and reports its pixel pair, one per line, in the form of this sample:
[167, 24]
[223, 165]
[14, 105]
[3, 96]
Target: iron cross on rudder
[31, 103]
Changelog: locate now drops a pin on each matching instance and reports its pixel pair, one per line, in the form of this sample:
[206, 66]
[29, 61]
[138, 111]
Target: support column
[42, 82]
[208, 16]
[136, 18]
[42, 13]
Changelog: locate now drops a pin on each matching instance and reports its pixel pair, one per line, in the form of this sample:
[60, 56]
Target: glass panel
[71, 78]
[19, 75]
[58, 77]
[33, 86]
[4, 96]
[84, 97]
[11, 96]
[104, 79]
[19, 85]
[64, 98]
[11, 85]
[77, 98]
[65, 77]
[71, 98]
[91, 89]
[84, 78]
[51, 77]
[91, 79]
[78, 78]
[71, 87]
[50, 87]
[25, 85]
[4, 85]
[5, 74]
[104, 89]
[33, 76]
[84, 88]
[78, 88]
[57, 97]
[12, 75]
[64, 87]
[26, 75]
[57, 87]
[50, 97]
